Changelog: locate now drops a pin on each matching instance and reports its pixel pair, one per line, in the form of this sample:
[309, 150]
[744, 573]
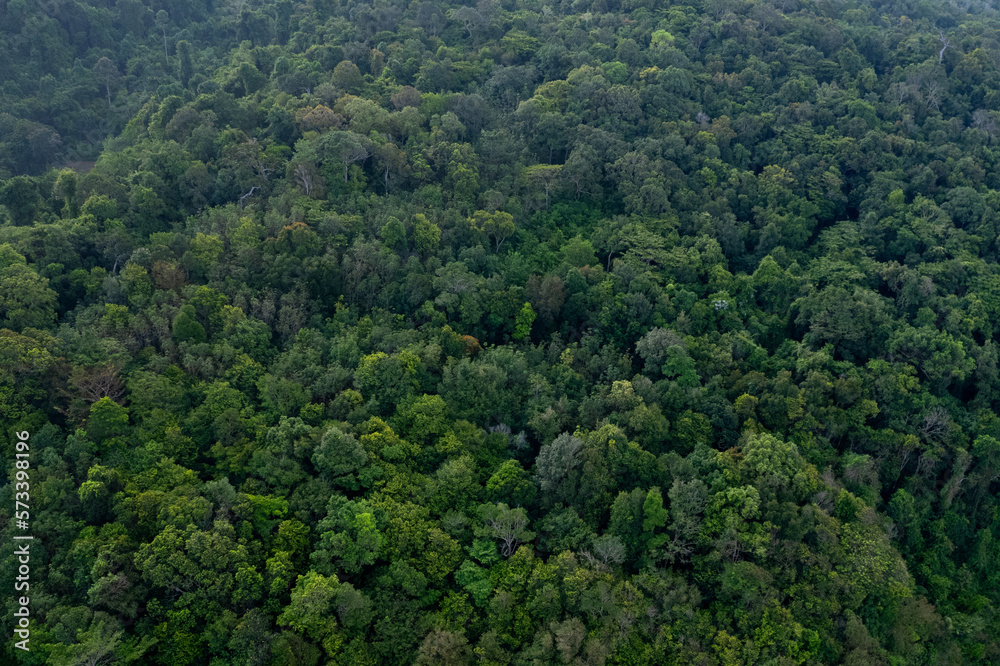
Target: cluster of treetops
[517, 333]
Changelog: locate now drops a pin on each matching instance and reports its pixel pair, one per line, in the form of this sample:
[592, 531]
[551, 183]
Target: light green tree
[522, 325]
[25, 298]
[497, 226]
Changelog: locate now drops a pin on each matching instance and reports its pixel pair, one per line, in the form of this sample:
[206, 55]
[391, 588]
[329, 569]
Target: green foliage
[426, 234]
[339, 456]
[25, 297]
[522, 324]
[498, 226]
[349, 537]
[623, 333]
[186, 326]
[512, 485]
[106, 420]
[310, 610]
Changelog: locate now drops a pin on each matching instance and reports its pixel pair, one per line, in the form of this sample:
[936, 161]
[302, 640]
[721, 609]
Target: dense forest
[513, 333]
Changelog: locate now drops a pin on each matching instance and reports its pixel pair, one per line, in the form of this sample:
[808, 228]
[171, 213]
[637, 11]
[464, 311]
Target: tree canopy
[510, 333]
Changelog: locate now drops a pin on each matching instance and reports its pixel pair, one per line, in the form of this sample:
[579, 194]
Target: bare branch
[250, 193]
[944, 40]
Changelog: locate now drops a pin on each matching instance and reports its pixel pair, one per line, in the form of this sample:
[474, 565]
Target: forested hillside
[516, 333]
